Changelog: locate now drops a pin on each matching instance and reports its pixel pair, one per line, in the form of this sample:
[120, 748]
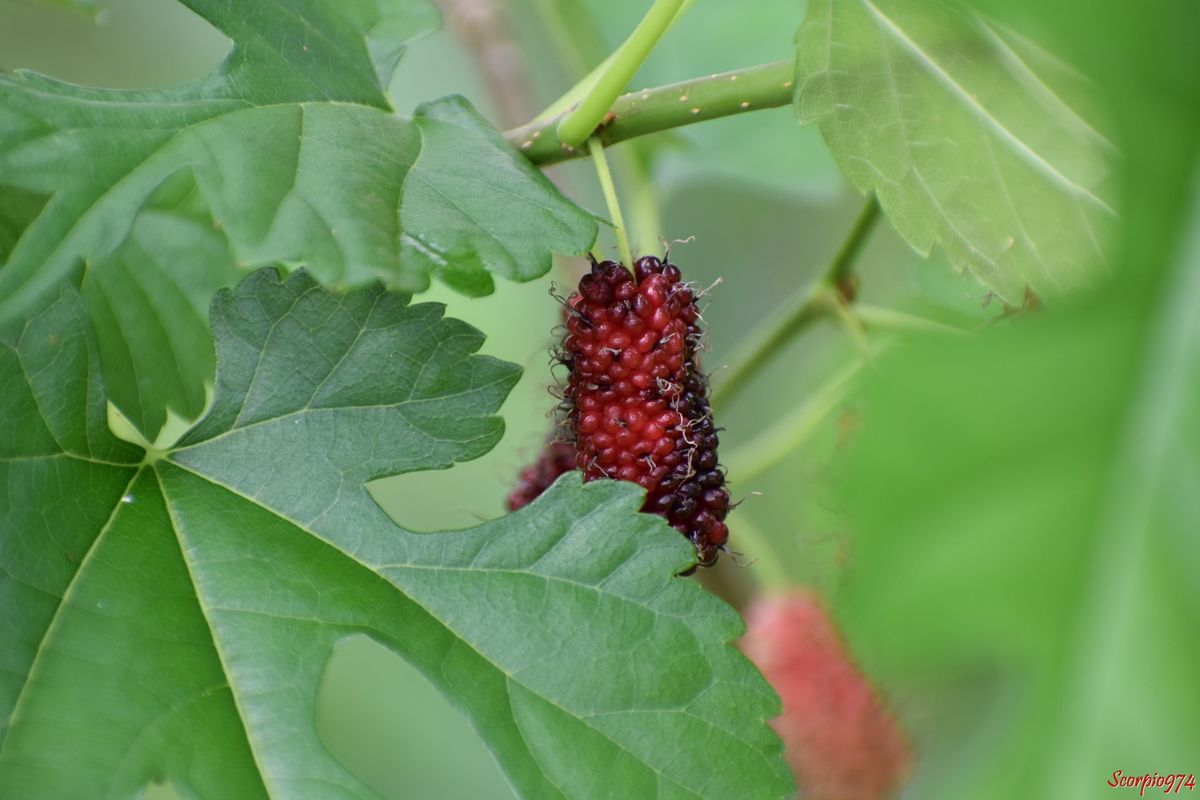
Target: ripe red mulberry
[636, 401]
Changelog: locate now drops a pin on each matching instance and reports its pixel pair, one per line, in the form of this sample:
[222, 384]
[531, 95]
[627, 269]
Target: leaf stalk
[615, 75]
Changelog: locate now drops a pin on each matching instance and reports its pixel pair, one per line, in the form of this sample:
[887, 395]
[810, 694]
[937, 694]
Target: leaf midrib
[68, 592]
[1022, 150]
[216, 642]
[1020, 69]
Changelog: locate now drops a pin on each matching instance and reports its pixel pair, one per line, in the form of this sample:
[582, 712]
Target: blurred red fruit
[555, 459]
[840, 741]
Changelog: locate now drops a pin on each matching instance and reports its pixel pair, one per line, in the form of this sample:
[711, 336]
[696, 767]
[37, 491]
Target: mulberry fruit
[556, 458]
[636, 401]
[840, 740]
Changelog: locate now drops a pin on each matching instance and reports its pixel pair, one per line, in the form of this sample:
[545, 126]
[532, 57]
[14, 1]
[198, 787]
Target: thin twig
[798, 312]
[772, 445]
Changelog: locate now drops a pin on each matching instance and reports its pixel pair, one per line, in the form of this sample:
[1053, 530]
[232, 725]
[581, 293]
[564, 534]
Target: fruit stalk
[614, 204]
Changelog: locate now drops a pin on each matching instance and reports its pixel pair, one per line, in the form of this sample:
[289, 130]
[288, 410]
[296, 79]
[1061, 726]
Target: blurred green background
[763, 207]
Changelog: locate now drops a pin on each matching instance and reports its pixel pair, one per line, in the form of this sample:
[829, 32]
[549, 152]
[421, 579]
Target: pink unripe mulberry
[839, 740]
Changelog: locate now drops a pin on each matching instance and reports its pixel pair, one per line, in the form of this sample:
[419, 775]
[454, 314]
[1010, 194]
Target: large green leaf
[1024, 571]
[970, 135]
[148, 302]
[297, 159]
[169, 615]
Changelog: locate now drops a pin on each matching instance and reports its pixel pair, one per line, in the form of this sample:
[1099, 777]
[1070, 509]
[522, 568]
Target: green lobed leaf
[174, 613]
[148, 304]
[1024, 568]
[296, 158]
[968, 134]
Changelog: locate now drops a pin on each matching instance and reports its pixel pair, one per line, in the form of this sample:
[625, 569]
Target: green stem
[573, 29]
[576, 93]
[665, 107]
[876, 318]
[839, 308]
[579, 124]
[572, 32]
[610, 197]
[774, 444]
[797, 313]
[760, 344]
[839, 269]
